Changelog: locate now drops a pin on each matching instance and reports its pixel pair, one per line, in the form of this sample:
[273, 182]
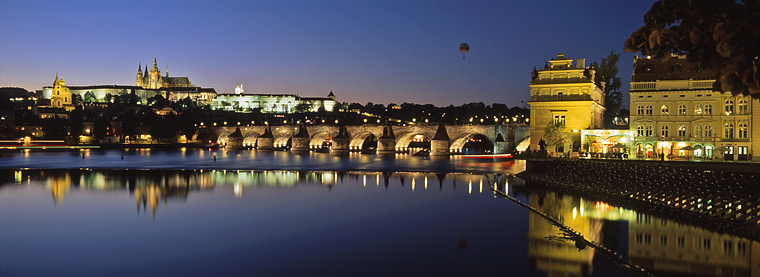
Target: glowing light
[469, 191]
[412, 184]
[364, 180]
[377, 180]
[575, 211]
[425, 182]
[481, 185]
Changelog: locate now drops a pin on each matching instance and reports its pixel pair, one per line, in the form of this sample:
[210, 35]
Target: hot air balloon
[464, 48]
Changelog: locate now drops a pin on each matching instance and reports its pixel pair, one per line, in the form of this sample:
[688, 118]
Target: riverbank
[723, 197]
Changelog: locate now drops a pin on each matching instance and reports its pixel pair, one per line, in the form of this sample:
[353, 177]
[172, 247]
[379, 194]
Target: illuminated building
[564, 93]
[147, 85]
[675, 112]
[271, 103]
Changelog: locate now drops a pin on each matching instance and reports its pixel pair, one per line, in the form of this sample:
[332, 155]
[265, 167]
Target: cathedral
[153, 80]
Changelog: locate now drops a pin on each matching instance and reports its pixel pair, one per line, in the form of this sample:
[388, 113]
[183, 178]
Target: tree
[555, 135]
[607, 79]
[89, 97]
[720, 35]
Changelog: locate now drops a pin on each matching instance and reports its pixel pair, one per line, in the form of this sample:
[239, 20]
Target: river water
[273, 214]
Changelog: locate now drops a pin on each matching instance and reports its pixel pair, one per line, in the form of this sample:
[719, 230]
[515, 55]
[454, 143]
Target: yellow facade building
[564, 92]
[675, 114]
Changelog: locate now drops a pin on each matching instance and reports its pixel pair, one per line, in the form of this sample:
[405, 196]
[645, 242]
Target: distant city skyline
[380, 51]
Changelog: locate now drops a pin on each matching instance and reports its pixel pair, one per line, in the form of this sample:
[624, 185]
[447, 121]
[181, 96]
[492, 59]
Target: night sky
[363, 51]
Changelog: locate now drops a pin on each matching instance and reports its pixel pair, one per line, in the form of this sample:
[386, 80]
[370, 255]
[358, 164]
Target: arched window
[648, 109]
[728, 130]
[697, 131]
[664, 131]
[728, 106]
[742, 107]
[664, 109]
[640, 110]
[682, 131]
[742, 130]
[707, 109]
[697, 109]
[650, 130]
[682, 109]
[708, 131]
[640, 130]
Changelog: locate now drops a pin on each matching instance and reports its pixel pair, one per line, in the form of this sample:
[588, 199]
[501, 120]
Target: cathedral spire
[139, 67]
[155, 66]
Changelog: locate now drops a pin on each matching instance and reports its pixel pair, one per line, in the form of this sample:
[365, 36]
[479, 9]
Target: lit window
[728, 106]
[742, 130]
[664, 109]
[707, 109]
[640, 130]
[742, 107]
[728, 130]
[698, 109]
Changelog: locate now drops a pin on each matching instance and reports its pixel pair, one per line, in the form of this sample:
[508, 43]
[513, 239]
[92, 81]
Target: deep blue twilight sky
[364, 51]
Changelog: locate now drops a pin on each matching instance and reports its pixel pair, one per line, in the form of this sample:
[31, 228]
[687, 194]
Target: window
[697, 109]
[640, 110]
[742, 130]
[648, 109]
[741, 150]
[559, 119]
[728, 106]
[707, 109]
[650, 131]
[708, 131]
[682, 131]
[664, 109]
[728, 130]
[728, 248]
[663, 240]
[640, 130]
[664, 130]
[742, 107]
[697, 131]
[681, 241]
[682, 109]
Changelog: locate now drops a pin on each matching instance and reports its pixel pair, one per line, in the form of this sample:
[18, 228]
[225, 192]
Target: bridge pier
[300, 142]
[386, 144]
[340, 142]
[265, 141]
[439, 145]
[235, 140]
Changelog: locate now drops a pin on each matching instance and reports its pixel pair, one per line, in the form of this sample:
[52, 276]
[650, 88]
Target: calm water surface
[306, 222]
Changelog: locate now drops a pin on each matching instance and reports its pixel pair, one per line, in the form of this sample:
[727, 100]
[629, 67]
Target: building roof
[675, 68]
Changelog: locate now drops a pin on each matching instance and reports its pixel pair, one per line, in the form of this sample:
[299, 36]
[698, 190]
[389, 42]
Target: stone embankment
[719, 197]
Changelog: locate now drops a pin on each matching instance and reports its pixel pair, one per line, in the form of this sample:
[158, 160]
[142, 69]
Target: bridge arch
[458, 144]
[283, 142]
[222, 138]
[358, 140]
[403, 142]
[321, 140]
[250, 139]
[523, 144]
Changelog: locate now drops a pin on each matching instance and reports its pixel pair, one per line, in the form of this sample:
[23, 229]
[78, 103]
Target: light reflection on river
[146, 158]
[240, 222]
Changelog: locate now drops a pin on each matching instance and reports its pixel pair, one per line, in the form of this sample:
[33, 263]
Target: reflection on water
[661, 246]
[145, 158]
[374, 223]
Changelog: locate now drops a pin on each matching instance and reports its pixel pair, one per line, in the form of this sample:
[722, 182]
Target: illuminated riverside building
[564, 93]
[271, 103]
[674, 111]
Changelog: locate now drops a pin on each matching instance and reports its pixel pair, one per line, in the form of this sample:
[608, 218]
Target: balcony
[560, 81]
[572, 97]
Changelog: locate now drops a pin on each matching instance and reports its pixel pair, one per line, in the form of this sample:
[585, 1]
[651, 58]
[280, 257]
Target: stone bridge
[450, 140]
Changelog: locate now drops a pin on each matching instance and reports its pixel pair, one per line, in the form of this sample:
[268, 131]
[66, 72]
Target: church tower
[61, 95]
[139, 81]
[154, 76]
